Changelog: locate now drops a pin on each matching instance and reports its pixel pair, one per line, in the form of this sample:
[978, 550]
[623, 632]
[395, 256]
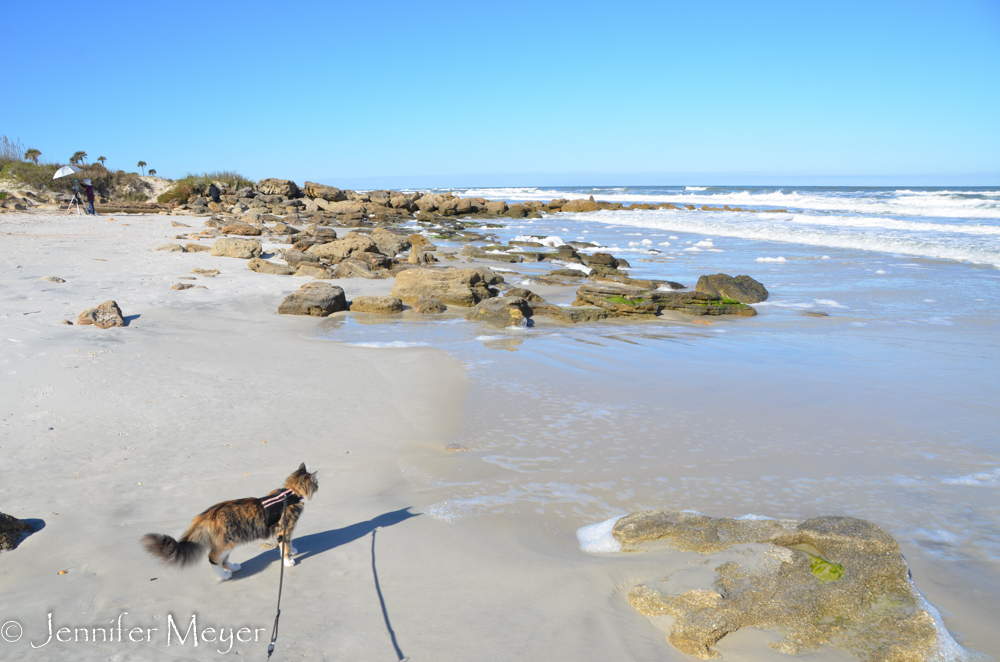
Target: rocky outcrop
[265, 267]
[314, 270]
[106, 316]
[341, 249]
[323, 192]
[836, 581]
[284, 187]
[244, 249]
[623, 300]
[12, 532]
[454, 287]
[379, 305]
[316, 299]
[743, 289]
[501, 312]
[428, 306]
[390, 243]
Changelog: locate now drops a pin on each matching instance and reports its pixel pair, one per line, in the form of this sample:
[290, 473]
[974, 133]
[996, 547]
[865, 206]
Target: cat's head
[302, 482]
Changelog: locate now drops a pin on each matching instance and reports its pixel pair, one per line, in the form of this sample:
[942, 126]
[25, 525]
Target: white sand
[152, 423]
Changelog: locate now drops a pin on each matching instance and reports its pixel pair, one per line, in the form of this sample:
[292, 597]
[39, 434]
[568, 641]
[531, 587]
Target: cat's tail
[178, 552]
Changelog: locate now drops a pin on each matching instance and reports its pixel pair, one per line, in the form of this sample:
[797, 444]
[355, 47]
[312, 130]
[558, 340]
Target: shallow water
[886, 409]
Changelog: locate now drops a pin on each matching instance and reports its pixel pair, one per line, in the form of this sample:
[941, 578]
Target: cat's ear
[313, 474]
[302, 467]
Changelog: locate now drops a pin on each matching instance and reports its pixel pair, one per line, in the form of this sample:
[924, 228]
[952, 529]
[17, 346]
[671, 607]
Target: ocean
[885, 408]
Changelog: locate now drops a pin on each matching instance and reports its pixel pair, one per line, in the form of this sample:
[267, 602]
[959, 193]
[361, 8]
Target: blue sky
[515, 93]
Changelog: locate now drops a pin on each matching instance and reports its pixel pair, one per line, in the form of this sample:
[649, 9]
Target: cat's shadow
[317, 543]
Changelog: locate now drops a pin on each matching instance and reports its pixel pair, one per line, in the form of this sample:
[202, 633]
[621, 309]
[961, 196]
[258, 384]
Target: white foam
[771, 259]
[552, 241]
[754, 518]
[880, 271]
[597, 538]
[395, 344]
[830, 302]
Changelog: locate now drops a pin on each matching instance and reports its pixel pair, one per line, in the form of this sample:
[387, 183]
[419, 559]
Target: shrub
[196, 185]
[10, 150]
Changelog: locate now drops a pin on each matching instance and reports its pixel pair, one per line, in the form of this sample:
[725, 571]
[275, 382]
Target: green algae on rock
[836, 581]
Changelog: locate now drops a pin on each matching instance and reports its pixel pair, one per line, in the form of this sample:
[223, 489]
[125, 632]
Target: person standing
[213, 193]
[88, 189]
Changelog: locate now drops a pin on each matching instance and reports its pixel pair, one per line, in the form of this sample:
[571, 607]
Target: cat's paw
[233, 567]
[289, 562]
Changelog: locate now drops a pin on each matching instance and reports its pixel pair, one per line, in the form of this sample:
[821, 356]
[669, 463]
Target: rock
[196, 248]
[419, 240]
[379, 304]
[454, 287]
[428, 306]
[602, 260]
[815, 313]
[52, 279]
[581, 205]
[295, 257]
[265, 267]
[497, 207]
[173, 248]
[283, 228]
[743, 289]
[567, 272]
[105, 316]
[323, 192]
[182, 286]
[314, 270]
[373, 260]
[522, 293]
[836, 581]
[573, 315]
[516, 211]
[341, 249]
[241, 229]
[501, 312]
[178, 224]
[314, 298]
[631, 301]
[420, 257]
[12, 532]
[478, 253]
[243, 249]
[66, 322]
[357, 269]
[283, 187]
[390, 243]
[208, 273]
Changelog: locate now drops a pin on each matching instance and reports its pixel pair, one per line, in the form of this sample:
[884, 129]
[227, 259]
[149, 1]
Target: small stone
[316, 299]
[429, 306]
[67, 322]
[196, 248]
[178, 224]
[105, 316]
[181, 286]
[173, 248]
[53, 279]
[816, 313]
[265, 267]
[455, 448]
[207, 273]
[501, 312]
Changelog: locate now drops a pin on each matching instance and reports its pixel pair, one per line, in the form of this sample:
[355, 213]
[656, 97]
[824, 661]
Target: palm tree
[152, 172]
[142, 164]
[102, 159]
[78, 157]
[32, 154]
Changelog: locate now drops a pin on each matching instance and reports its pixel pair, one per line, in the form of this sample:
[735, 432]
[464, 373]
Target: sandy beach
[208, 395]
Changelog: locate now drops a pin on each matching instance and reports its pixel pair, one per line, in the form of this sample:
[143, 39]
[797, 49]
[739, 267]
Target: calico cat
[231, 523]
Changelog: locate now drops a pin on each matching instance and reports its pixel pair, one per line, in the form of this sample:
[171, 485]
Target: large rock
[828, 581]
[497, 207]
[631, 301]
[501, 312]
[12, 531]
[358, 269]
[454, 287]
[243, 249]
[390, 243]
[341, 249]
[581, 205]
[265, 267]
[285, 187]
[316, 299]
[378, 304]
[105, 316]
[602, 260]
[742, 288]
[313, 270]
[419, 240]
[323, 192]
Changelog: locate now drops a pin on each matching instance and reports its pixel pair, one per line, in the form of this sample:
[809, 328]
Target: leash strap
[281, 580]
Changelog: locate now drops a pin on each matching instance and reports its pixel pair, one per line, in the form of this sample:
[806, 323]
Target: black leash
[281, 581]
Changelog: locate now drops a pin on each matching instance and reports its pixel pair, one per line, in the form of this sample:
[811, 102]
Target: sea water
[887, 408]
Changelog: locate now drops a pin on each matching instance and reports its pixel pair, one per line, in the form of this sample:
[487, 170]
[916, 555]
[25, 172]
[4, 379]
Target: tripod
[76, 200]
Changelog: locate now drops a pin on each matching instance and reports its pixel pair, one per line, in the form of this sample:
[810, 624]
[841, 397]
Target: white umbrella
[65, 171]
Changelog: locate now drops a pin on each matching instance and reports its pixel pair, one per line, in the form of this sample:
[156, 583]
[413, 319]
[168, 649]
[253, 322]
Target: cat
[231, 523]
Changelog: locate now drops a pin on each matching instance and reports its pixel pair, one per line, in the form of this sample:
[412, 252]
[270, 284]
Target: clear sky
[514, 93]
